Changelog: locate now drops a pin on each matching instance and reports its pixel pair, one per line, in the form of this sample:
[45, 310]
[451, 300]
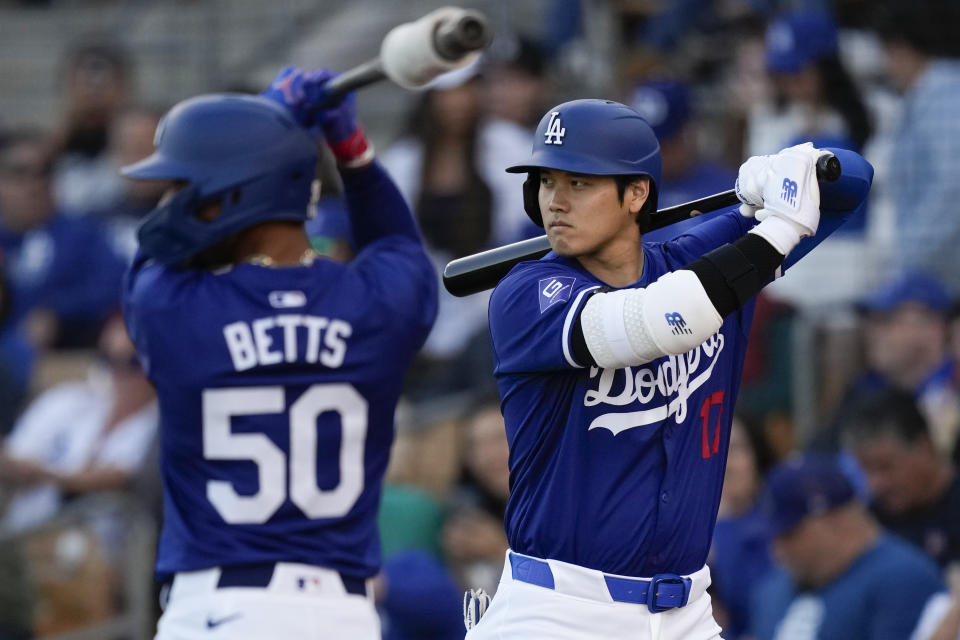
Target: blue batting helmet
[245, 151]
[595, 137]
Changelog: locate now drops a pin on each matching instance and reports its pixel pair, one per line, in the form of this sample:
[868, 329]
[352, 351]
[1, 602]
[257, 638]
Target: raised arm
[376, 206]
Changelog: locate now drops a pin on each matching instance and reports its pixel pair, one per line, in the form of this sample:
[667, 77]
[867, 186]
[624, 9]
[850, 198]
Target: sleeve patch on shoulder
[554, 290]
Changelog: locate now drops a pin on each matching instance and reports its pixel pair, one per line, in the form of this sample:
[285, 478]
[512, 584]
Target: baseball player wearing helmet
[277, 371]
[618, 364]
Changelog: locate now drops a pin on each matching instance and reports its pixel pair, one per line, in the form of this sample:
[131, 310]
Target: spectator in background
[437, 169]
[666, 104]
[905, 346]
[923, 62]
[474, 538]
[80, 437]
[96, 82]
[814, 96]
[514, 92]
[844, 576]
[130, 140]
[64, 275]
[740, 556]
[915, 490]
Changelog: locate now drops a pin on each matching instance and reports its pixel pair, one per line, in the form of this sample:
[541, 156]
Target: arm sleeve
[707, 236]
[377, 209]
[677, 312]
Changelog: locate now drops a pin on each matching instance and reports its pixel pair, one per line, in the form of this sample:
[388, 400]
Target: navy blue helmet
[247, 152]
[594, 137]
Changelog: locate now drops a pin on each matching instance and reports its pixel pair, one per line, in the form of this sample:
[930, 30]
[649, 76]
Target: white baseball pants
[301, 602]
[580, 607]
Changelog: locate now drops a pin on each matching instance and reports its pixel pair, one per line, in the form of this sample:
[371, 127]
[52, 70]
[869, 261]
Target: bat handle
[360, 76]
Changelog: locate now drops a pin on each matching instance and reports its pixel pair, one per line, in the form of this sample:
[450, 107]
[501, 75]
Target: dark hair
[649, 207]
[841, 93]
[763, 454]
[890, 412]
[459, 223]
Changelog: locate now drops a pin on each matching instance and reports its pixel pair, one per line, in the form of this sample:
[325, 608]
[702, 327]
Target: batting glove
[791, 198]
[750, 181]
[304, 93]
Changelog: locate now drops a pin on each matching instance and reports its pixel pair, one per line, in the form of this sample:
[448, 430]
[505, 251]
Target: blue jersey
[277, 389]
[618, 470]
[879, 597]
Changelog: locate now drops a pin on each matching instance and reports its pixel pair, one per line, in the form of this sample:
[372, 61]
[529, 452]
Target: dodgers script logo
[555, 132]
[670, 380]
[789, 193]
[553, 290]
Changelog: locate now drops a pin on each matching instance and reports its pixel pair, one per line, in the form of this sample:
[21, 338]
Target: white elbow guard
[631, 327]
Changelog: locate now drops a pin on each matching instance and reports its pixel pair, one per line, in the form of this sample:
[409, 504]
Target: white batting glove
[750, 180]
[791, 198]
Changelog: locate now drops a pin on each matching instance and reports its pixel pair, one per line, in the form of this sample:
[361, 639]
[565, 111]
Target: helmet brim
[157, 167]
[562, 160]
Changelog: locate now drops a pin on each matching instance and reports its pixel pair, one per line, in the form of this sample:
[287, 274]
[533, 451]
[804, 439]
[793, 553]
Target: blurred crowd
[841, 504]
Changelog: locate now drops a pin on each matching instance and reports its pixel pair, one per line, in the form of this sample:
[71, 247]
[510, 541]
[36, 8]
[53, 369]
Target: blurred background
[852, 355]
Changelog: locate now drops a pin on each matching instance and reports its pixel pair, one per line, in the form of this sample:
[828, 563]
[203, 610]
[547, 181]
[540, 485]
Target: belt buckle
[666, 578]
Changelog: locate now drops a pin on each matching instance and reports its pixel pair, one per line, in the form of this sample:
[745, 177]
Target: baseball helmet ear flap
[531, 197]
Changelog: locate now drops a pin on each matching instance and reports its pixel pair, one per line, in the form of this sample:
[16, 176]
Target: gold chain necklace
[307, 259]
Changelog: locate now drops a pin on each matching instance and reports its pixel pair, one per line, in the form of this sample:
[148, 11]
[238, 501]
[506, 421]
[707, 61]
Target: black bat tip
[828, 168]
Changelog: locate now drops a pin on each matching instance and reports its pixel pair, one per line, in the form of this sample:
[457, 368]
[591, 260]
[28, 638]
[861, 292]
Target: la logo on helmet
[555, 132]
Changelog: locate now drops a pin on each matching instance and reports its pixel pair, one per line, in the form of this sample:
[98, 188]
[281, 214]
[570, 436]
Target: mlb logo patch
[553, 290]
[287, 299]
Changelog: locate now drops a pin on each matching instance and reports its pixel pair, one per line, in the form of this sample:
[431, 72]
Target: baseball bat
[414, 53]
[481, 271]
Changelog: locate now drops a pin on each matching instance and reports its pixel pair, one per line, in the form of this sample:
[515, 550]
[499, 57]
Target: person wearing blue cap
[905, 345]
[667, 105]
[813, 93]
[843, 576]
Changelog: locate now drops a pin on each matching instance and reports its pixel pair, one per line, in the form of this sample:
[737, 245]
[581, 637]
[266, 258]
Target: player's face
[583, 214]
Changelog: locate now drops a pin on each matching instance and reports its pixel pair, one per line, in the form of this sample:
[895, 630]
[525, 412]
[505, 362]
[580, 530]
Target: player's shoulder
[154, 286]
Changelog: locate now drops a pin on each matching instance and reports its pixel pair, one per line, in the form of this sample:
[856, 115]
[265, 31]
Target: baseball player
[618, 364]
[277, 371]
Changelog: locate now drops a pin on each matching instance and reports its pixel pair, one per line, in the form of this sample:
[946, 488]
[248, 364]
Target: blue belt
[260, 575]
[669, 589]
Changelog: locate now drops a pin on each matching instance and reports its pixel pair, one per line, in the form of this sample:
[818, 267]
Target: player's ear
[636, 194]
